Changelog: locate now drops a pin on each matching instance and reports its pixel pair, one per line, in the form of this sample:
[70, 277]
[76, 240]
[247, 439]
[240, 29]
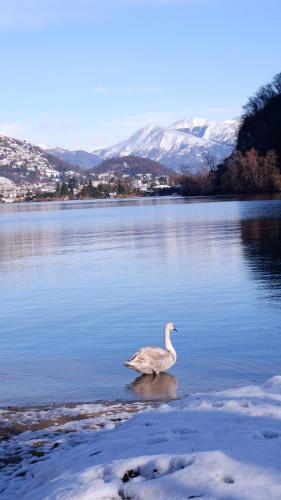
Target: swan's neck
[168, 343]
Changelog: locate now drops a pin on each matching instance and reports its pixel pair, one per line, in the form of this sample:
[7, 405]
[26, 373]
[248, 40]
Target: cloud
[99, 89]
[55, 125]
[12, 129]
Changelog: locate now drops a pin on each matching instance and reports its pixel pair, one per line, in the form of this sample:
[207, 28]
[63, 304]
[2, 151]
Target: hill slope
[24, 163]
[132, 165]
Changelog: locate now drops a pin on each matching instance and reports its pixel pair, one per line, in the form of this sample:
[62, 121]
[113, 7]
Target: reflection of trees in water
[262, 247]
[161, 387]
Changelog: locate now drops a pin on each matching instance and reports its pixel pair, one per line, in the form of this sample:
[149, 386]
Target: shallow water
[84, 284]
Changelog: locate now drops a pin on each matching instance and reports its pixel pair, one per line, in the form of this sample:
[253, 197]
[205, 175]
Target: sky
[83, 74]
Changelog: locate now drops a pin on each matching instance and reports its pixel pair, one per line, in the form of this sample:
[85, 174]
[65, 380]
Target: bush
[249, 173]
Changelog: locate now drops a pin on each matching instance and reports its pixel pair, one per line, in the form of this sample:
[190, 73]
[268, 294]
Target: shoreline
[48, 414]
[30, 434]
[17, 419]
[242, 197]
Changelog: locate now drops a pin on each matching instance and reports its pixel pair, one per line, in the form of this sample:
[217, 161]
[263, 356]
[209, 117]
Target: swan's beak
[175, 330]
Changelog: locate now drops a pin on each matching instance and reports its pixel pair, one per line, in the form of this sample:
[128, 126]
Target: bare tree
[211, 162]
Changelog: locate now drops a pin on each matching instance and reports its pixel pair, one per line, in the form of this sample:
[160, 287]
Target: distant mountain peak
[184, 145]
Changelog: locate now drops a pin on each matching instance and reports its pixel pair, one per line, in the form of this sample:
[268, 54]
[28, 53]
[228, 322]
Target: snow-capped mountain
[183, 146]
[218, 131]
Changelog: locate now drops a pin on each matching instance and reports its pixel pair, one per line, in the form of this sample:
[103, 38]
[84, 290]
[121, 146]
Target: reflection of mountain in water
[262, 246]
[161, 387]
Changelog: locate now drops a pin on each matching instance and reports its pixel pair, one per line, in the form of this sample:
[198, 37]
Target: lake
[85, 284]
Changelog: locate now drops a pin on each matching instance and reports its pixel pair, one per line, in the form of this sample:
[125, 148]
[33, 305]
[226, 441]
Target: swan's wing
[153, 355]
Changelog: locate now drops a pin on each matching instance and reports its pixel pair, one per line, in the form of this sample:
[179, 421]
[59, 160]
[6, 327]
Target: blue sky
[87, 73]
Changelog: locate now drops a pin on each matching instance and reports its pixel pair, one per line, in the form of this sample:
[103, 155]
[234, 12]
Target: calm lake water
[85, 284]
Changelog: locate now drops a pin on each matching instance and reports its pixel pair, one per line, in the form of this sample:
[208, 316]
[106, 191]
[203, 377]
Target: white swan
[153, 360]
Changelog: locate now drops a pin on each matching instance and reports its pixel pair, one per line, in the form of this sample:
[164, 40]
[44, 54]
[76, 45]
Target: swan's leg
[154, 374]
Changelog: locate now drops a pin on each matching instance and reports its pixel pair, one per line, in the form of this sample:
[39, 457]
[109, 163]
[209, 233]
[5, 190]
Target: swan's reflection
[161, 387]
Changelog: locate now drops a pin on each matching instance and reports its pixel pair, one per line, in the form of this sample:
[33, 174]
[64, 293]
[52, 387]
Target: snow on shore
[224, 445]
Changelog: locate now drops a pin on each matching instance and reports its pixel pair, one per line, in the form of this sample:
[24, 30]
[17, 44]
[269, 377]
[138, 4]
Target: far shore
[241, 196]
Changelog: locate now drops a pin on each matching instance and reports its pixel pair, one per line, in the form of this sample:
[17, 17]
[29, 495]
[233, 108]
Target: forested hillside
[255, 165]
[261, 122]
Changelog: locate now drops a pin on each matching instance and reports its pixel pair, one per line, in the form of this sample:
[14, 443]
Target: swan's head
[170, 326]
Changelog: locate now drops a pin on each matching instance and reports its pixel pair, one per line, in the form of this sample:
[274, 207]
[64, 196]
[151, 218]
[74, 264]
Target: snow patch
[216, 446]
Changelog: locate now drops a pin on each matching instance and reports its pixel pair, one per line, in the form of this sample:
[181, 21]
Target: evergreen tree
[90, 188]
[58, 189]
[64, 189]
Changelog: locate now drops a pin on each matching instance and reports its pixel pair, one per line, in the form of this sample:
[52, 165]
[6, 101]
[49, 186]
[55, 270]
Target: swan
[153, 360]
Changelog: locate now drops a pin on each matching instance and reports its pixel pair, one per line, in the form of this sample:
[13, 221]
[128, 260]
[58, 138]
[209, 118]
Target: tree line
[73, 188]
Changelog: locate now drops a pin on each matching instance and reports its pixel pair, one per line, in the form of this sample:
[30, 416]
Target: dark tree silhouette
[261, 122]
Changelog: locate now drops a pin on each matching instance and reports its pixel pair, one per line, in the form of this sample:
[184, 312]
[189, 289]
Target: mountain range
[83, 159]
[184, 146]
